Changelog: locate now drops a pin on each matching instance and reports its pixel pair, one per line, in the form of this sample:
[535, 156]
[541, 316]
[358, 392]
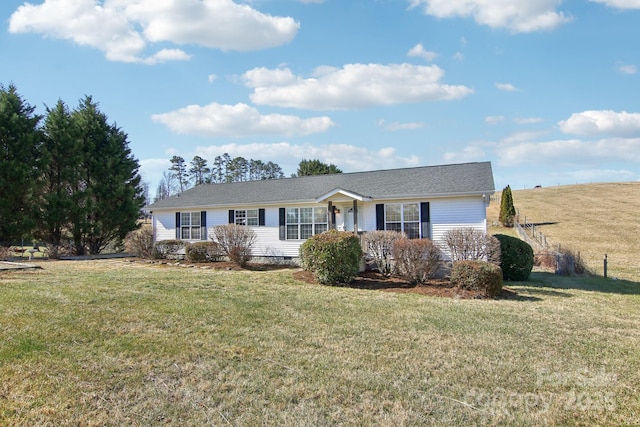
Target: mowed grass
[593, 219]
[118, 343]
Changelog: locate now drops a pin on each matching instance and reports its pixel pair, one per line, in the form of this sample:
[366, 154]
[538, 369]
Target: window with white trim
[302, 223]
[403, 217]
[246, 216]
[190, 226]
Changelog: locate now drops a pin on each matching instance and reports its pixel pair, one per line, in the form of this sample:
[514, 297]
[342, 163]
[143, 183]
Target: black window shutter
[232, 216]
[282, 222]
[177, 225]
[425, 220]
[380, 216]
[261, 220]
[203, 225]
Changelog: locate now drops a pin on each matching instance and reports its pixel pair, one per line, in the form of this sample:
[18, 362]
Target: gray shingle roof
[425, 181]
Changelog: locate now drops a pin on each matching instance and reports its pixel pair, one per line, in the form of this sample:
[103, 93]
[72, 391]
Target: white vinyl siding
[445, 213]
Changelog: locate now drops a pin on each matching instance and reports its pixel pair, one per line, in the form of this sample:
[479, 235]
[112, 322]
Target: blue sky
[547, 90]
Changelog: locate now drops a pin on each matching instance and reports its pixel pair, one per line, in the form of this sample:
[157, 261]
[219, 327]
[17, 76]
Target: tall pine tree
[20, 141]
[62, 156]
[108, 193]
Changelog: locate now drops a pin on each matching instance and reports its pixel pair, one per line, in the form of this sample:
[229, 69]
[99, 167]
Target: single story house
[424, 202]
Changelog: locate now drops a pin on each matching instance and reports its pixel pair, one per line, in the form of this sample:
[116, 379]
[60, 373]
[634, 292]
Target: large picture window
[302, 223]
[190, 226]
[403, 217]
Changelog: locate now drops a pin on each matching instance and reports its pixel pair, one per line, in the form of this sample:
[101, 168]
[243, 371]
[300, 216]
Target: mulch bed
[435, 287]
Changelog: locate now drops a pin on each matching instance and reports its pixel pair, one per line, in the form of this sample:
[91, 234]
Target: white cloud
[602, 122]
[563, 152]
[528, 120]
[506, 87]
[628, 69]
[352, 86]
[468, 154]
[519, 137]
[166, 55]
[212, 78]
[620, 4]
[420, 52]
[494, 120]
[396, 126]
[123, 29]
[514, 15]
[238, 120]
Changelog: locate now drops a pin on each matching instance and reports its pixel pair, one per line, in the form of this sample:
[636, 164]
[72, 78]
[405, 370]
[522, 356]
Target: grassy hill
[593, 219]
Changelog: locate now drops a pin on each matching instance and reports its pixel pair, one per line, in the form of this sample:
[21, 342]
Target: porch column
[331, 215]
[355, 217]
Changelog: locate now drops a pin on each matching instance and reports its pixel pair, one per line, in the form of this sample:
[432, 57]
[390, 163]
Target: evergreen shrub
[516, 258]
[333, 256]
[477, 276]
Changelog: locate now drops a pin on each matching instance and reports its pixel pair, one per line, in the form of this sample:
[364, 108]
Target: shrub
[168, 249]
[333, 256]
[235, 242]
[203, 251]
[477, 276]
[58, 251]
[516, 259]
[140, 242]
[416, 259]
[380, 247]
[470, 244]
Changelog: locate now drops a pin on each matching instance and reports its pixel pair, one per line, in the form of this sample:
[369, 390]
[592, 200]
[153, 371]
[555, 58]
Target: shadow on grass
[539, 280]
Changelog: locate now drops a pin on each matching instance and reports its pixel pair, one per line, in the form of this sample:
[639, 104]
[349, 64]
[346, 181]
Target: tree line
[181, 176]
[65, 177]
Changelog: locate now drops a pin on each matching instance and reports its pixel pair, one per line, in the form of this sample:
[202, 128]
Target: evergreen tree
[315, 167]
[179, 170]
[272, 171]
[507, 210]
[199, 170]
[20, 141]
[108, 195]
[62, 154]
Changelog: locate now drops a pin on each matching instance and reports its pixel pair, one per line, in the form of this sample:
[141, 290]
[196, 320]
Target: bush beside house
[333, 256]
[516, 258]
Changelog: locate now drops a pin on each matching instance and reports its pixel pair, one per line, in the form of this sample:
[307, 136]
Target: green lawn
[118, 343]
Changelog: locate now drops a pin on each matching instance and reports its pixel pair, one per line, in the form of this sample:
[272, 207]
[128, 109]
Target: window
[403, 217]
[246, 217]
[190, 226]
[302, 223]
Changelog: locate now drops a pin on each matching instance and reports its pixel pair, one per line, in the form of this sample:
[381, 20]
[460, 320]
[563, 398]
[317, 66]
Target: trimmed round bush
[516, 258]
[333, 256]
[477, 276]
